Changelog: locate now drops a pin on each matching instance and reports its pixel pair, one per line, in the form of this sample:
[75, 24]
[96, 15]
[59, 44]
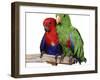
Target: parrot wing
[78, 49]
[43, 44]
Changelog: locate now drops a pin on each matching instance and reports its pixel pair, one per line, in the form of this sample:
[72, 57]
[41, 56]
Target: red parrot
[50, 34]
[50, 43]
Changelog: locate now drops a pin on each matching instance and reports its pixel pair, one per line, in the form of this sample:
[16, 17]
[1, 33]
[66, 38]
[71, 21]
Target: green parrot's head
[58, 18]
[63, 19]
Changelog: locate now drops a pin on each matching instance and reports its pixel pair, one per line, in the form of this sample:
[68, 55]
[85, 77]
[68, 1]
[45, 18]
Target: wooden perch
[35, 58]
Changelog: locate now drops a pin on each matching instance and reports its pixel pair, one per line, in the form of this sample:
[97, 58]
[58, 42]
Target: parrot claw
[41, 55]
[75, 60]
[72, 60]
[62, 57]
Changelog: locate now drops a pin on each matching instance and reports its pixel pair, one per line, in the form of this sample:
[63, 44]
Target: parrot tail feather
[85, 60]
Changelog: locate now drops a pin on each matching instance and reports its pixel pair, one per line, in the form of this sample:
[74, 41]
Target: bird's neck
[52, 28]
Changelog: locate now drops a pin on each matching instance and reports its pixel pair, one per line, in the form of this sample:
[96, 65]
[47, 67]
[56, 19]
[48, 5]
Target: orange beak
[58, 19]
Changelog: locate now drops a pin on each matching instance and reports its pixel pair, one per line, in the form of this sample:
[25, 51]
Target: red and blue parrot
[50, 43]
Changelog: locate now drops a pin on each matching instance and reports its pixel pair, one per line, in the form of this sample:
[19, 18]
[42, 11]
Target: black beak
[46, 29]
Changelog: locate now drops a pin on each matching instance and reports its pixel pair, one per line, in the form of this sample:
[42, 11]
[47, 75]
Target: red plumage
[51, 35]
[68, 43]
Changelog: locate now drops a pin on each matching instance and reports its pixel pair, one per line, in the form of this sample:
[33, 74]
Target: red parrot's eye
[49, 24]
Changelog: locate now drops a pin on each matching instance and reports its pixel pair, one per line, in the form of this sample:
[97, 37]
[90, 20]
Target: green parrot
[70, 39]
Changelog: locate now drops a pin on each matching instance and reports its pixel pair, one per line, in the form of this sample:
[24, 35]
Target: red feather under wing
[68, 43]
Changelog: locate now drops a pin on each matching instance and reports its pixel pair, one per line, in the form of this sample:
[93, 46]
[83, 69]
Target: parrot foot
[41, 55]
[75, 60]
[72, 60]
[61, 59]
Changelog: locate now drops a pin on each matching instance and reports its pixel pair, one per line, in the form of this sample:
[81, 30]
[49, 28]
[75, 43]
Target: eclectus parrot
[70, 39]
[50, 43]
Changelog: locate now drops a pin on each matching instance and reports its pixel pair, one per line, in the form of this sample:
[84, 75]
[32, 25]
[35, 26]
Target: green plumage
[64, 29]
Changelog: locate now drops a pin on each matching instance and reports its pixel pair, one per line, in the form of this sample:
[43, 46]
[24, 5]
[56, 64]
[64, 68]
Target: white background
[5, 41]
[34, 32]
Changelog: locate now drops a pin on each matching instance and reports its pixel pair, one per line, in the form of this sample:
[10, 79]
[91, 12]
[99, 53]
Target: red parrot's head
[49, 24]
